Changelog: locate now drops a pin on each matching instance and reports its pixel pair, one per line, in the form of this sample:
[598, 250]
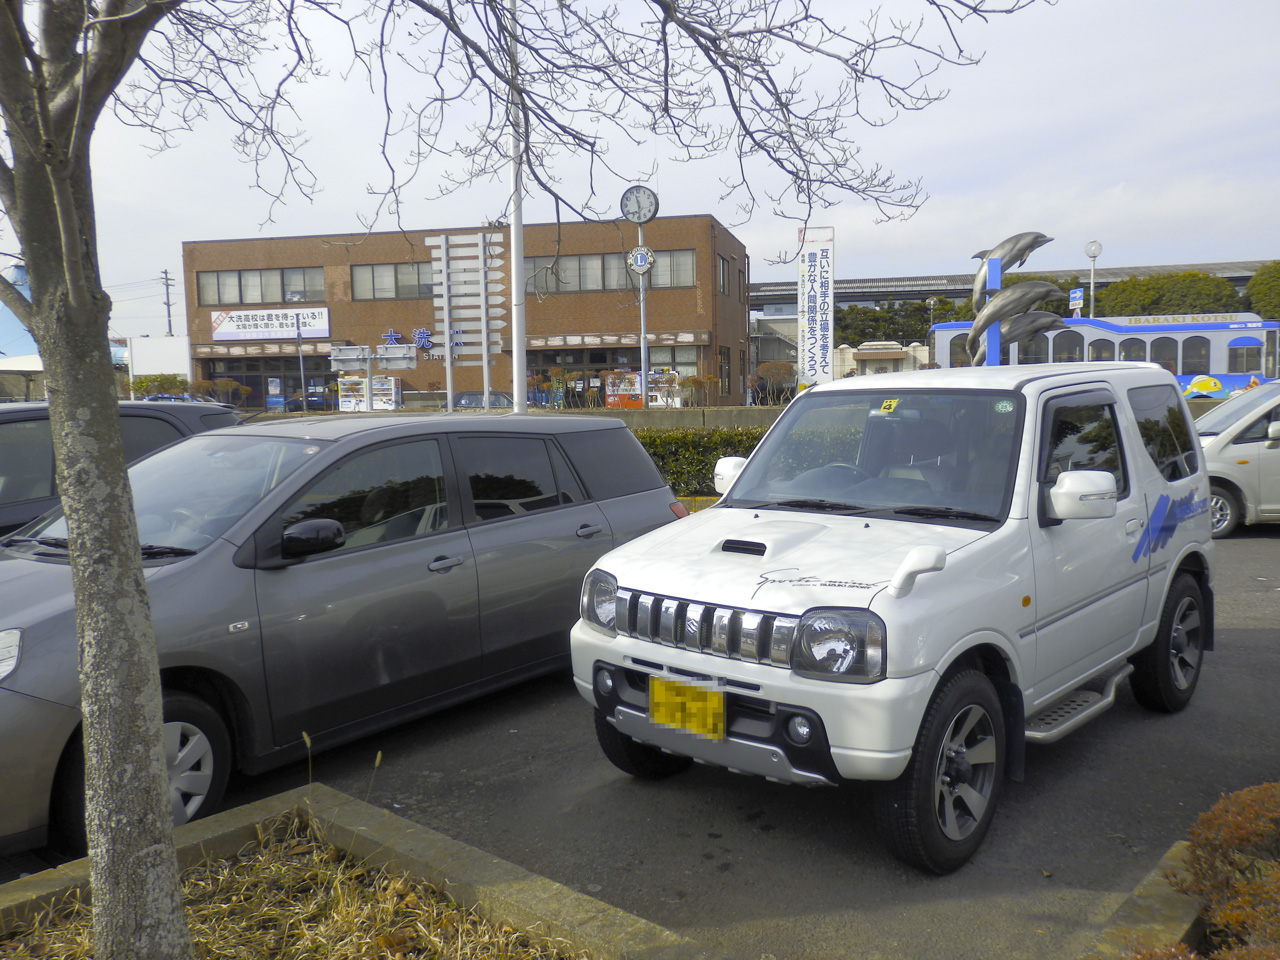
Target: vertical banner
[814, 317]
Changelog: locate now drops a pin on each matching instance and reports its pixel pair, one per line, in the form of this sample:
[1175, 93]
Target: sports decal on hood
[1164, 520]
[772, 577]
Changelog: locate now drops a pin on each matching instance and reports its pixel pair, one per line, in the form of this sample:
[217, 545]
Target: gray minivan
[321, 578]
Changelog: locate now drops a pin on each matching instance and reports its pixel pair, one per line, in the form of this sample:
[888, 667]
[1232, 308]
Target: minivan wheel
[197, 749]
[635, 758]
[1165, 673]
[1224, 511]
[937, 813]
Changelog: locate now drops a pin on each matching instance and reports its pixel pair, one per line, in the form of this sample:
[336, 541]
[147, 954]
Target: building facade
[267, 313]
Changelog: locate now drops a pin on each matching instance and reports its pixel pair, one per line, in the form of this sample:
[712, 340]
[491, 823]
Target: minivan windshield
[189, 494]
[1241, 408]
[915, 454]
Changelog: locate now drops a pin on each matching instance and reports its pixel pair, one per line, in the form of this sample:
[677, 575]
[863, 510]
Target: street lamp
[1091, 250]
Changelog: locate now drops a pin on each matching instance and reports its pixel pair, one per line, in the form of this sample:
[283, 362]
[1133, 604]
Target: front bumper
[861, 731]
[33, 733]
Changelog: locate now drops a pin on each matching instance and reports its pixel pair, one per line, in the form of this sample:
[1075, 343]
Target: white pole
[519, 376]
[644, 339]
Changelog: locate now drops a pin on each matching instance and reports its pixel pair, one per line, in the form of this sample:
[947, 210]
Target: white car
[1241, 440]
[911, 576]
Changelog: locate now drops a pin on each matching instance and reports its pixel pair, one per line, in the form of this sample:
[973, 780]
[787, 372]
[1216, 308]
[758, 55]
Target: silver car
[327, 576]
[1241, 442]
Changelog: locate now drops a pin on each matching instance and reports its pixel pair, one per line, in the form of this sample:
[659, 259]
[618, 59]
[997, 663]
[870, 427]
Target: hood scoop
[752, 548]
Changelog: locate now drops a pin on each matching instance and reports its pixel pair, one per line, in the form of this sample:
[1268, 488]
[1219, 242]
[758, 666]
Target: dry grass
[291, 895]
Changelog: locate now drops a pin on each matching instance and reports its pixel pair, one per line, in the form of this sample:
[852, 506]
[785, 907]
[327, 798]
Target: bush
[686, 458]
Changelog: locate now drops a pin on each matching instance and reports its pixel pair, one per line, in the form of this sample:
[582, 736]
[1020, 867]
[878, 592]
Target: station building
[267, 313]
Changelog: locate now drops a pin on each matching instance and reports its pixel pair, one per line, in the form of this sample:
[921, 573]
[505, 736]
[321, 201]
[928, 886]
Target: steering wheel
[858, 471]
[189, 521]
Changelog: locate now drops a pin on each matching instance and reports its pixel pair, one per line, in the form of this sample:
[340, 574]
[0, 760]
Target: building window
[289, 285]
[742, 286]
[724, 275]
[391, 281]
[605, 271]
[724, 371]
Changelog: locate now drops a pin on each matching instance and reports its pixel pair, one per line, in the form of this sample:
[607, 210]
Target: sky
[1151, 126]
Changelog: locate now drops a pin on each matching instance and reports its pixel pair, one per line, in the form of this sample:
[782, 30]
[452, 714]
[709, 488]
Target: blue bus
[1211, 354]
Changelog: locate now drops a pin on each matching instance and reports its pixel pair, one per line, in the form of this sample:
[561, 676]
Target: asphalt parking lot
[761, 870]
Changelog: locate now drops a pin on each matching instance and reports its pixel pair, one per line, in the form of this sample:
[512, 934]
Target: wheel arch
[1234, 488]
[995, 664]
[222, 695]
[1196, 564]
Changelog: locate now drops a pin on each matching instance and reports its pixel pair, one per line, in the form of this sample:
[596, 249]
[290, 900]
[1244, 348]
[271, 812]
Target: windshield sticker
[889, 405]
[1164, 520]
[1004, 406]
[771, 578]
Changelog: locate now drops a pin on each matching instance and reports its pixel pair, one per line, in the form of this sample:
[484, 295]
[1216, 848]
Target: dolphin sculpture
[1022, 327]
[1010, 302]
[1013, 252]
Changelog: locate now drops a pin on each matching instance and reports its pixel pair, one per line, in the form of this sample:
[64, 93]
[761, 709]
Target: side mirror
[727, 470]
[1083, 495]
[308, 537]
[1273, 430]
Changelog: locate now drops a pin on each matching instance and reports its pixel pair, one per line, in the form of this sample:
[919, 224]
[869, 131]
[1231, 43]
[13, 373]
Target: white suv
[912, 575]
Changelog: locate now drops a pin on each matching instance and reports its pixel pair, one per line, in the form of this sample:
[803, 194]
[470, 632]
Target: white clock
[639, 204]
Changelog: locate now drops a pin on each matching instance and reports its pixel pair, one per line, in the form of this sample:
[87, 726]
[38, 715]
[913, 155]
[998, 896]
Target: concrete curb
[1155, 915]
[496, 889]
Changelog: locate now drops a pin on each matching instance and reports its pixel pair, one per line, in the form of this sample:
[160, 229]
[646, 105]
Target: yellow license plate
[687, 707]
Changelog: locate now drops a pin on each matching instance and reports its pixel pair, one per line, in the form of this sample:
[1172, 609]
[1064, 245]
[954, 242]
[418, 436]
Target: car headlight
[599, 606]
[10, 644]
[838, 644]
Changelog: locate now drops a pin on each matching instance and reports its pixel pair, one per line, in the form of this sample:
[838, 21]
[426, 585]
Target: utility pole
[168, 303]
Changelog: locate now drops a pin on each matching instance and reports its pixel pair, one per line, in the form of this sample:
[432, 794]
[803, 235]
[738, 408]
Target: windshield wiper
[947, 512]
[151, 551]
[829, 506]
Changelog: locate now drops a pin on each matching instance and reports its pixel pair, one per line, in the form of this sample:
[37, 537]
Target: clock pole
[640, 205]
[644, 338]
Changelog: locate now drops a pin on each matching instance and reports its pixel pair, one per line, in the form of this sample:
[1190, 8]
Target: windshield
[189, 494]
[923, 454]
[1242, 407]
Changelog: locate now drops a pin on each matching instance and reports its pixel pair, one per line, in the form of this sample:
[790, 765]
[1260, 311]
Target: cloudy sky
[1152, 126]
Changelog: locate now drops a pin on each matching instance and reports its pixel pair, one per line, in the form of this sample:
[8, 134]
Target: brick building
[260, 311]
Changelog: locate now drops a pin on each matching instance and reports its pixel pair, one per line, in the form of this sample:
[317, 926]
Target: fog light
[604, 682]
[800, 729]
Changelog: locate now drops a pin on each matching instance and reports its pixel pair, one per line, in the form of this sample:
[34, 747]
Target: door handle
[1133, 526]
[589, 529]
[440, 564]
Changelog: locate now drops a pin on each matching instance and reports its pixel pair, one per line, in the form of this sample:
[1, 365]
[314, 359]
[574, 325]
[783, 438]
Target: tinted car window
[1258, 429]
[144, 434]
[385, 494]
[612, 463]
[1084, 437]
[1165, 431]
[509, 475]
[26, 469]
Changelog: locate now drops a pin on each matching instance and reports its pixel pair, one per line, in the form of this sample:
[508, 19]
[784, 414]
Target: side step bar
[1077, 709]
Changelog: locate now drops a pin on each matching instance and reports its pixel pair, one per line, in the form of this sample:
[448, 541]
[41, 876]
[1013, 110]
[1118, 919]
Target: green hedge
[686, 458]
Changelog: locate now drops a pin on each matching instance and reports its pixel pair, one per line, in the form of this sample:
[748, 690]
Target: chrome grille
[722, 631]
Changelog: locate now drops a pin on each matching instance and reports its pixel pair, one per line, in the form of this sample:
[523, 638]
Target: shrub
[686, 458]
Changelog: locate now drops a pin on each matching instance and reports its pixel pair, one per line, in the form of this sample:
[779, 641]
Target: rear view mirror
[1083, 495]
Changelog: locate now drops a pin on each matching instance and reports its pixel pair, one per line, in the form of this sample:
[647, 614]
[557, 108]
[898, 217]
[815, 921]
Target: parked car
[321, 577]
[911, 576]
[470, 399]
[27, 487]
[1241, 440]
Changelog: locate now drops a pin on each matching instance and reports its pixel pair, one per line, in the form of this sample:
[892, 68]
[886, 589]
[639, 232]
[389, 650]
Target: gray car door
[386, 620]
[535, 534]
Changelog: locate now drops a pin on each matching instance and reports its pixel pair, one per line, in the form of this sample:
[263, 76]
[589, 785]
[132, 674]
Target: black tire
[197, 754]
[635, 758]
[1224, 511]
[1165, 673]
[935, 816]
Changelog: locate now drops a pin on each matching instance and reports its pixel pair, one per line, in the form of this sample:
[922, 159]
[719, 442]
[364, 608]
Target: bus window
[1244, 355]
[1068, 345]
[1133, 349]
[1102, 350]
[959, 356]
[1195, 355]
[1034, 349]
[1164, 351]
